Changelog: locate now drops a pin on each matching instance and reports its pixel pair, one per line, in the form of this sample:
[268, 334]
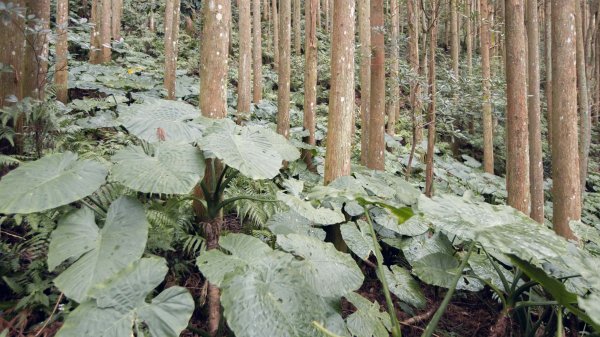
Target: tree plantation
[299, 168]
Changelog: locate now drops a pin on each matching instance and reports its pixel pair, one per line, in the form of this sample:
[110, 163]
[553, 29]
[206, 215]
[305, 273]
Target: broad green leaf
[420, 246]
[483, 268]
[275, 301]
[359, 240]
[173, 168]
[404, 286]
[329, 272]
[436, 269]
[244, 149]
[245, 251]
[591, 304]
[99, 253]
[291, 222]
[286, 150]
[367, 320]
[320, 216]
[120, 304]
[50, 182]
[144, 120]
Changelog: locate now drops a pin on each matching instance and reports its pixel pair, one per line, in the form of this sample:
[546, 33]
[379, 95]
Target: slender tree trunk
[36, 49]
[275, 35]
[61, 76]
[415, 87]
[536, 168]
[454, 45]
[584, 112]
[394, 81]
[151, 20]
[469, 36]
[376, 153]
[11, 55]
[310, 78]
[117, 14]
[283, 92]
[327, 18]
[548, 32]
[432, 103]
[341, 103]
[171, 48]
[105, 31]
[297, 27]
[517, 148]
[245, 67]
[95, 43]
[488, 133]
[565, 157]
[597, 70]
[257, 52]
[364, 36]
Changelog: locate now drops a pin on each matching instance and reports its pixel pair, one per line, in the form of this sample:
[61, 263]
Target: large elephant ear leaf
[286, 150]
[50, 182]
[120, 302]
[367, 320]
[404, 286]
[158, 118]
[101, 253]
[244, 149]
[330, 272]
[172, 168]
[320, 216]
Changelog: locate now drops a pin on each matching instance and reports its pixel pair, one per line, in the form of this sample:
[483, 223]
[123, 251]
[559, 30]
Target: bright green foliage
[99, 253]
[438, 269]
[170, 168]
[268, 293]
[245, 149]
[330, 272]
[50, 182]
[118, 305]
[404, 286]
[174, 118]
[367, 320]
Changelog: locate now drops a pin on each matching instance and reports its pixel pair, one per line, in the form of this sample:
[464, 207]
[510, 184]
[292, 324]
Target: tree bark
[11, 55]
[171, 46]
[394, 81]
[105, 31]
[488, 133]
[432, 104]
[117, 14]
[376, 153]
[364, 36]
[95, 56]
[283, 92]
[536, 168]
[244, 69]
[548, 56]
[297, 27]
[35, 67]
[275, 36]
[565, 157]
[517, 148]
[310, 78]
[61, 75]
[469, 36]
[257, 52]
[584, 112]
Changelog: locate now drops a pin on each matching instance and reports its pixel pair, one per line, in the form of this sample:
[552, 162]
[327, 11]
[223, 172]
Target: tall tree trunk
[117, 14]
[454, 44]
[245, 67]
[105, 31]
[394, 81]
[415, 87]
[310, 78]
[469, 36]
[283, 91]
[95, 56]
[61, 76]
[275, 35]
[584, 112]
[548, 56]
[364, 37]
[36, 49]
[11, 55]
[565, 157]
[171, 46]
[257, 52]
[596, 117]
[488, 128]
[517, 148]
[297, 27]
[536, 168]
[327, 17]
[341, 102]
[376, 132]
[432, 100]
